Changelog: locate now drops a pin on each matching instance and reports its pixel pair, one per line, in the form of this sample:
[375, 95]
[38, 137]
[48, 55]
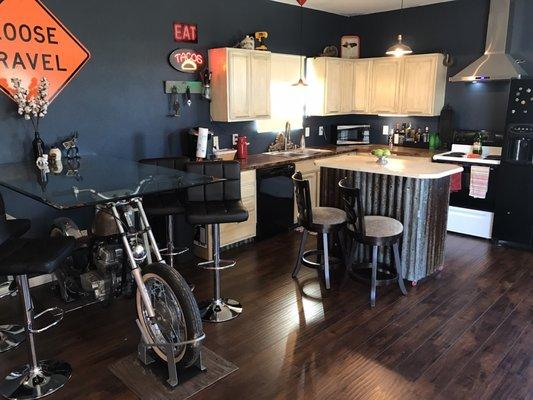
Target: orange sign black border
[75, 72]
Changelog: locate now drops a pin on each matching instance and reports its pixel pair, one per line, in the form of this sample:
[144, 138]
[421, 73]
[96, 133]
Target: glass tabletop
[94, 179]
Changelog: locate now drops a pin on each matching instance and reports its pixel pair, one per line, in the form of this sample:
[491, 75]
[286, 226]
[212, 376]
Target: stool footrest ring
[363, 272]
[224, 264]
[316, 252]
[11, 287]
[56, 312]
[176, 251]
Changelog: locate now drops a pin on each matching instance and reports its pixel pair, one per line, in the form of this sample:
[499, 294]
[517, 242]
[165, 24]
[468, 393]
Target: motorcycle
[120, 239]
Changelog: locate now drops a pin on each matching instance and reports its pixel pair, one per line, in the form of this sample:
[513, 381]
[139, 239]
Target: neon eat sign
[185, 32]
[186, 60]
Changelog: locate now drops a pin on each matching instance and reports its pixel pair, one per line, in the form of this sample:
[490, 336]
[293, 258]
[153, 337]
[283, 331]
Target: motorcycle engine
[106, 279]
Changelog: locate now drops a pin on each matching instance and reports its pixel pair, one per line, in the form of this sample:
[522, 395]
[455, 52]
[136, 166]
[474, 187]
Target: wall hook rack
[181, 87]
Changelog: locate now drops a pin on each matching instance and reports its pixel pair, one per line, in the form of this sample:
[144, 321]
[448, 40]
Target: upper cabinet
[412, 85]
[361, 84]
[423, 85]
[240, 84]
[385, 85]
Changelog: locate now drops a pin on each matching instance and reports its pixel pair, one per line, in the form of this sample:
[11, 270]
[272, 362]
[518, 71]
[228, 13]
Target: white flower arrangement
[32, 108]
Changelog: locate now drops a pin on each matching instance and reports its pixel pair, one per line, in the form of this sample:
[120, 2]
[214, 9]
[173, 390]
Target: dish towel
[455, 182]
[479, 181]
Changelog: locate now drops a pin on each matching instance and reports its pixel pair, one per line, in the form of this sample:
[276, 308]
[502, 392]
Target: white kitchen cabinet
[240, 85]
[423, 85]
[361, 85]
[346, 86]
[410, 85]
[385, 85]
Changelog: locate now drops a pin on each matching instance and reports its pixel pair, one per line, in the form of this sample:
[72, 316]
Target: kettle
[242, 147]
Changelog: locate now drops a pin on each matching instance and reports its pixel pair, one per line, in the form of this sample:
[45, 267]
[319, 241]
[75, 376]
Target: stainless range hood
[495, 64]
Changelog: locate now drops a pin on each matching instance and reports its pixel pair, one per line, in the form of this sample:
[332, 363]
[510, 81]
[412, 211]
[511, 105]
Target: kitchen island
[413, 190]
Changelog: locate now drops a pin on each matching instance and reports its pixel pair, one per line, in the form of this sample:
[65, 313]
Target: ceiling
[356, 7]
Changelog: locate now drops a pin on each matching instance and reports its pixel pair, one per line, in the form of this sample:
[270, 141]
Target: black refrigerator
[513, 220]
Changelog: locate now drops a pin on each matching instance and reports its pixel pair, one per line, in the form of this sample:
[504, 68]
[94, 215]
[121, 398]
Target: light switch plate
[307, 131]
[386, 130]
[320, 131]
[215, 142]
[234, 138]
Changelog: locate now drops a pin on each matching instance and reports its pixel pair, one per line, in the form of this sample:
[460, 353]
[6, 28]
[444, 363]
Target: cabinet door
[418, 85]
[260, 84]
[361, 73]
[333, 82]
[346, 84]
[238, 82]
[385, 86]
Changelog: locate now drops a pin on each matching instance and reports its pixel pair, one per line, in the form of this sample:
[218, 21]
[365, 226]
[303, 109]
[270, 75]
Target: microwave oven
[351, 134]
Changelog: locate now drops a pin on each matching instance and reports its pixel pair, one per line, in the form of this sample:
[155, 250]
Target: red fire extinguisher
[242, 147]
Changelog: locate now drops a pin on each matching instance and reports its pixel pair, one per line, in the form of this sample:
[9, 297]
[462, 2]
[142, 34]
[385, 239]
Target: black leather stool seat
[34, 256]
[17, 227]
[217, 212]
[163, 204]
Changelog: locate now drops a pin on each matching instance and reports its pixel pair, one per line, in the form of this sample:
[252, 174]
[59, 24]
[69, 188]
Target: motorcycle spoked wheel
[177, 317]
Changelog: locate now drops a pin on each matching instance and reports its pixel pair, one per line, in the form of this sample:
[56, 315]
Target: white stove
[466, 214]
[459, 153]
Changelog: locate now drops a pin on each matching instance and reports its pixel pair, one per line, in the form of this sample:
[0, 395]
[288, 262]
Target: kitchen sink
[298, 152]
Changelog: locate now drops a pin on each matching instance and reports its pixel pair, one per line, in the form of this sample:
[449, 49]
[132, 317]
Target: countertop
[409, 167]
[264, 160]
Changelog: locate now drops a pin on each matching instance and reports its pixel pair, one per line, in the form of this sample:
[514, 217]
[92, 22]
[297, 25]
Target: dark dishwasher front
[275, 200]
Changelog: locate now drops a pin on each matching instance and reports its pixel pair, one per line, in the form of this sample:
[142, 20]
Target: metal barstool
[376, 231]
[20, 258]
[11, 336]
[166, 205]
[213, 205]
[320, 220]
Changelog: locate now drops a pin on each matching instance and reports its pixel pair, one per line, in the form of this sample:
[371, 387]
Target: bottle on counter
[391, 138]
[425, 135]
[396, 139]
[37, 146]
[477, 147]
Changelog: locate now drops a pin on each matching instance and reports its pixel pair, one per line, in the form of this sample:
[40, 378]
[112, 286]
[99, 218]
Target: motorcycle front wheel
[177, 318]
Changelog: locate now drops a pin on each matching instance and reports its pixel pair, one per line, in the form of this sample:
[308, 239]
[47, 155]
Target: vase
[37, 146]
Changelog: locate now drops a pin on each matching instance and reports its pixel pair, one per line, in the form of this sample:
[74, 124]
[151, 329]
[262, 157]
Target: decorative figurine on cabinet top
[350, 46]
[260, 37]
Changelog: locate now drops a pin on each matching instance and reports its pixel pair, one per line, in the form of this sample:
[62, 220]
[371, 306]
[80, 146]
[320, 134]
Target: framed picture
[350, 46]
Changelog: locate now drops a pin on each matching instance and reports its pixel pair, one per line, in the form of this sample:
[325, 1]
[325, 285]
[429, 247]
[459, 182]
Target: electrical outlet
[234, 138]
[386, 130]
[215, 142]
[307, 131]
[320, 131]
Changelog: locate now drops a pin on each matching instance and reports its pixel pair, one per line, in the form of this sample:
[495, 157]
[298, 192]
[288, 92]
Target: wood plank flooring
[462, 334]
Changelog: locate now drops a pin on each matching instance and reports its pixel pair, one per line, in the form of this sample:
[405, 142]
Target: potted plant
[33, 108]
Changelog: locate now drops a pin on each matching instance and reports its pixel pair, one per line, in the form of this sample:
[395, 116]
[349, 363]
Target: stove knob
[517, 99]
[523, 102]
[528, 90]
[525, 111]
[520, 88]
[513, 111]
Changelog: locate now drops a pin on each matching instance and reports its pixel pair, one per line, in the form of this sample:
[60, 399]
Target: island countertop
[408, 167]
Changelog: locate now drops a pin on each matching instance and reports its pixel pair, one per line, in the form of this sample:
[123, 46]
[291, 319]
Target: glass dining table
[94, 179]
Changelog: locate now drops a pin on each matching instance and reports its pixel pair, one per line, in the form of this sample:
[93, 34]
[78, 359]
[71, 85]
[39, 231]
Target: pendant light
[301, 81]
[399, 49]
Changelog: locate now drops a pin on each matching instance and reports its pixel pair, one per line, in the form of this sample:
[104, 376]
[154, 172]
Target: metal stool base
[25, 384]
[220, 310]
[11, 336]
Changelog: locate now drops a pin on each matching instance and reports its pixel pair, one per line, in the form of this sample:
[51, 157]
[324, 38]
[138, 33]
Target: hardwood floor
[463, 334]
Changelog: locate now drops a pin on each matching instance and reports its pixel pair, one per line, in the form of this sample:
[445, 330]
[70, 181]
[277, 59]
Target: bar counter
[413, 190]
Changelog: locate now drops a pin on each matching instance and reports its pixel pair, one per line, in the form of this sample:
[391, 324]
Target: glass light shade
[399, 49]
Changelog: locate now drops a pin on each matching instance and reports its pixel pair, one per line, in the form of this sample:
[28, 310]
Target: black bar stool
[320, 220]
[21, 257]
[215, 204]
[372, 230]
[166, 205]
[11, 335]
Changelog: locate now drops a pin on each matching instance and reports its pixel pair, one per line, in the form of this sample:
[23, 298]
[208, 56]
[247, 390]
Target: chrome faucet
[287, 135]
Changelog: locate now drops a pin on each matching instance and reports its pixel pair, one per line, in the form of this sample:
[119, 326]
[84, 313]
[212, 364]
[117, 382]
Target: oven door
[463, 199]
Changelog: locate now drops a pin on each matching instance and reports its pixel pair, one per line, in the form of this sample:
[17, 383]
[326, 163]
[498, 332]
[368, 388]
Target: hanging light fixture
[301, 81]
[399, 49]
